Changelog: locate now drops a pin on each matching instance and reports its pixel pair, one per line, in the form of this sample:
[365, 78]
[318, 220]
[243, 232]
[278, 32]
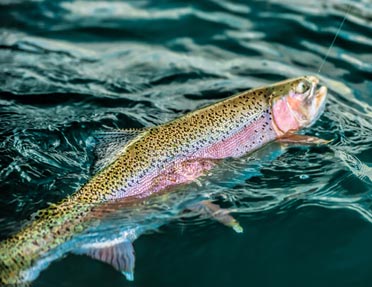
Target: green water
[68, 68]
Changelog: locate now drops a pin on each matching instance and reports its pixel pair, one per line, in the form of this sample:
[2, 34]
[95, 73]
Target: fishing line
[334, 39]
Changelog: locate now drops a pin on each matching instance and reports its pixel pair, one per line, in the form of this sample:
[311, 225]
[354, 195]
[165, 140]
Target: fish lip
[322, 92]
[314, 80]
[314, 83]
[320, 96]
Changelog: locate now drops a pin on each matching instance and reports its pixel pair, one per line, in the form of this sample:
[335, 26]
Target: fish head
[296, 103]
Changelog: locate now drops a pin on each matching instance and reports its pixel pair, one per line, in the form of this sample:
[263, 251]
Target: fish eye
[302, 87]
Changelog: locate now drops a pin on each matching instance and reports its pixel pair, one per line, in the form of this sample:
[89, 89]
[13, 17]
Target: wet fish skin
[160, 157]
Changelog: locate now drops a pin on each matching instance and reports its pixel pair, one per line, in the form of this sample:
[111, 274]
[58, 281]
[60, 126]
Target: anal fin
[119, 255]
[216, 212]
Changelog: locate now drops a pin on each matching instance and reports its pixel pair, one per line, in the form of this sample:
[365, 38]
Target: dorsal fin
[109, 144]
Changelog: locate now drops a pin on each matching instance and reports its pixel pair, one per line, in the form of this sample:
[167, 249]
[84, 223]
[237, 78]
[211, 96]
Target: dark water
[68, 68]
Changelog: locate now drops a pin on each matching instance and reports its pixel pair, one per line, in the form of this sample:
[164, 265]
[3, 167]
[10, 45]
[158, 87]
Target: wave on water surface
[69, 68]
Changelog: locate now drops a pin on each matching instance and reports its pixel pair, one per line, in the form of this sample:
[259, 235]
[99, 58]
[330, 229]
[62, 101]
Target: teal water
[68, 68]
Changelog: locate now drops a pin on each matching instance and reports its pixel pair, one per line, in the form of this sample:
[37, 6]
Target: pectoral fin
[217, 213]
[302, 139]
[119, 255]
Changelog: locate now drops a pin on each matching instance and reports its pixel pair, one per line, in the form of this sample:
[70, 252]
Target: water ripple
[69, 68]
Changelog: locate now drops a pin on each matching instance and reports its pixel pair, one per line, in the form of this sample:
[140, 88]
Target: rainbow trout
[138, 164]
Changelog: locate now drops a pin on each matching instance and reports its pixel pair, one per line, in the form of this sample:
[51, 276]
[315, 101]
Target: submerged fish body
[152, 161]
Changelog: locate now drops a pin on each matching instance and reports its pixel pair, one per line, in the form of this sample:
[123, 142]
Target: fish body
[156, 159]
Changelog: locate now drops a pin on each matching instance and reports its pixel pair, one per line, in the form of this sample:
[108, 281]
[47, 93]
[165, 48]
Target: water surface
[68, 68]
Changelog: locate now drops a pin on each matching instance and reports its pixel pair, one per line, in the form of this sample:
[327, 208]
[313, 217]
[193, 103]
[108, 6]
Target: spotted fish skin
[170, 154]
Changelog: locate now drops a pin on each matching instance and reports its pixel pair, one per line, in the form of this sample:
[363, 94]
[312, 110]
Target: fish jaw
[297, 104]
